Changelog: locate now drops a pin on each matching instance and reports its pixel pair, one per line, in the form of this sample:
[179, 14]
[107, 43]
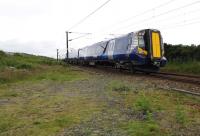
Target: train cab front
[154, 46]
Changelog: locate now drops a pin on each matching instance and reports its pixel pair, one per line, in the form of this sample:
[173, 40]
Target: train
[142, 50]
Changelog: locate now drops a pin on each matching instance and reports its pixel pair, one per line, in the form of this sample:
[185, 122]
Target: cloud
[39, 25]
[24, 8]
[44, 48]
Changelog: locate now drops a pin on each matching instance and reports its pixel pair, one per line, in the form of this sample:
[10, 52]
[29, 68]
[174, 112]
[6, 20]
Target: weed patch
[143, 104]
[63, 121]
[60, 73]
[139, 128]
[119, 87]
[191, 67]
[6, 123]
[180, 115]
[8, 93]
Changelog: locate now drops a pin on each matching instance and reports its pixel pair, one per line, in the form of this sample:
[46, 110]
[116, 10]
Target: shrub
[143, 104]
[180, 115]
[3, 80]
[140, 128]
[24, 66]
[121, 88]
[49, 62]
[2, 54]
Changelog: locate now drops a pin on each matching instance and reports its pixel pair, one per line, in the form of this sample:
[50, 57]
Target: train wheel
[147, 73]
[132, 69]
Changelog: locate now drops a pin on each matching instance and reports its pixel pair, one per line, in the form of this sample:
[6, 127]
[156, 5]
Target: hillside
[20, 66]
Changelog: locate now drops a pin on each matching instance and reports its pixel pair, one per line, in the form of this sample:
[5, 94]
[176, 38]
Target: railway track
[180, 90]
[182, 78]
[192, 79]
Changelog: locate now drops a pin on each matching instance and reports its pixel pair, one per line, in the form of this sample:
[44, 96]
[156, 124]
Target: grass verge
[154, 112]
[192, 67]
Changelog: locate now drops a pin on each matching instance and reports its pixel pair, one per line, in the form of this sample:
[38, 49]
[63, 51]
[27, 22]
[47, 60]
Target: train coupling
[156, 63]
[161, 62]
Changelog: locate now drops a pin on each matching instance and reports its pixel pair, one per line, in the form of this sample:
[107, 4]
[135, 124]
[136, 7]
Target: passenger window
[141, 43]
[135, 42]
[129, 41]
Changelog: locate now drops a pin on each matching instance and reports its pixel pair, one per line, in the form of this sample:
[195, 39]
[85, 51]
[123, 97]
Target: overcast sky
[38, 26]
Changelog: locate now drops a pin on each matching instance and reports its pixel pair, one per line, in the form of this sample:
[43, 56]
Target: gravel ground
[103, 123]
[113, 108]
[106, 123]
[149, 81]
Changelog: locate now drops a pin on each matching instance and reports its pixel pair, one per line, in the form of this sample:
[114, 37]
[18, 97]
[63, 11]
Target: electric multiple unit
[141, 50]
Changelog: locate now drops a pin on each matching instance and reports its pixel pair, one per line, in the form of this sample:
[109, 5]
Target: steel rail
[175, 74]
[180, 90]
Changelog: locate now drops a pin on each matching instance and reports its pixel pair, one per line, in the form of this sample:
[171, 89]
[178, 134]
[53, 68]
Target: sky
[39, 26]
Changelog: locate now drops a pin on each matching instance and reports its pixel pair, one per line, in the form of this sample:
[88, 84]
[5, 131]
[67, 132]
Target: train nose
[156, 45]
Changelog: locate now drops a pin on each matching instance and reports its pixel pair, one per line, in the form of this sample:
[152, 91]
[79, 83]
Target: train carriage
[141, 50]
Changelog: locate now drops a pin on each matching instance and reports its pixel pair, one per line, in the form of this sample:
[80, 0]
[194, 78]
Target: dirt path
[105, 122]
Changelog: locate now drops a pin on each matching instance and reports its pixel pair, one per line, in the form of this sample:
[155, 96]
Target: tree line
[182, 53]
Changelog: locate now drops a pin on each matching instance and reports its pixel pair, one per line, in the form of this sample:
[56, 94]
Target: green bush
[24, 66]
[192, 67]
[24, 61]
[2, 54]
[143, 104]
[49, 62]
[140, 128]
[3, 80]
[182, 53]
[180, 115]
[182, 58]
[121, 88]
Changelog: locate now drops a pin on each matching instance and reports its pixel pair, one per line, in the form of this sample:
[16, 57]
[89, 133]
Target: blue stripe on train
[137, 58]
[121, 57]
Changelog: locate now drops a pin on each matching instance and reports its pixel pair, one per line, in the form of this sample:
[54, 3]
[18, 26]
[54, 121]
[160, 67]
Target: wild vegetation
[49, 98]
[183, 58]
[32, 96]
[19, 66]
[152, 112]
[182, 53]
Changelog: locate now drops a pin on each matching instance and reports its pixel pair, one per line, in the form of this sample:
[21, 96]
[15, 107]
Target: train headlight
[163, 52]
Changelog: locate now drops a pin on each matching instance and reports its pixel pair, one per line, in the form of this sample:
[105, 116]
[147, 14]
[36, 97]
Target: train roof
[124, 35]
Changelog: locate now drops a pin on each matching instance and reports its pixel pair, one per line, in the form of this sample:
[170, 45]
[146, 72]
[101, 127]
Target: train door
[111, 47]
[156, 45]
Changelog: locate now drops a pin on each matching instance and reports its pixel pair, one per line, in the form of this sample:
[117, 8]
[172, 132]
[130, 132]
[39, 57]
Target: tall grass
[17, 67]
[23, 61]
[189, 67]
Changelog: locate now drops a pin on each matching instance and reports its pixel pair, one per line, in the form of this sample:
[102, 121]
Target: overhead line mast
[67, 55]
[81, 21]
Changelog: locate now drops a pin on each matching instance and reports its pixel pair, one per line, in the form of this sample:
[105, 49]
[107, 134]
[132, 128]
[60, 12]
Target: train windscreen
[156, 45]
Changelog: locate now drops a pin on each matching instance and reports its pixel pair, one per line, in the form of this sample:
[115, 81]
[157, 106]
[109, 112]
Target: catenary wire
[140, 14]
[164, 13]
[86, 17]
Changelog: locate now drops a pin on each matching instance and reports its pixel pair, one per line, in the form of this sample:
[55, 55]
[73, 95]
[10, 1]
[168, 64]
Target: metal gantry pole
[57, 54]
[67, 55]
